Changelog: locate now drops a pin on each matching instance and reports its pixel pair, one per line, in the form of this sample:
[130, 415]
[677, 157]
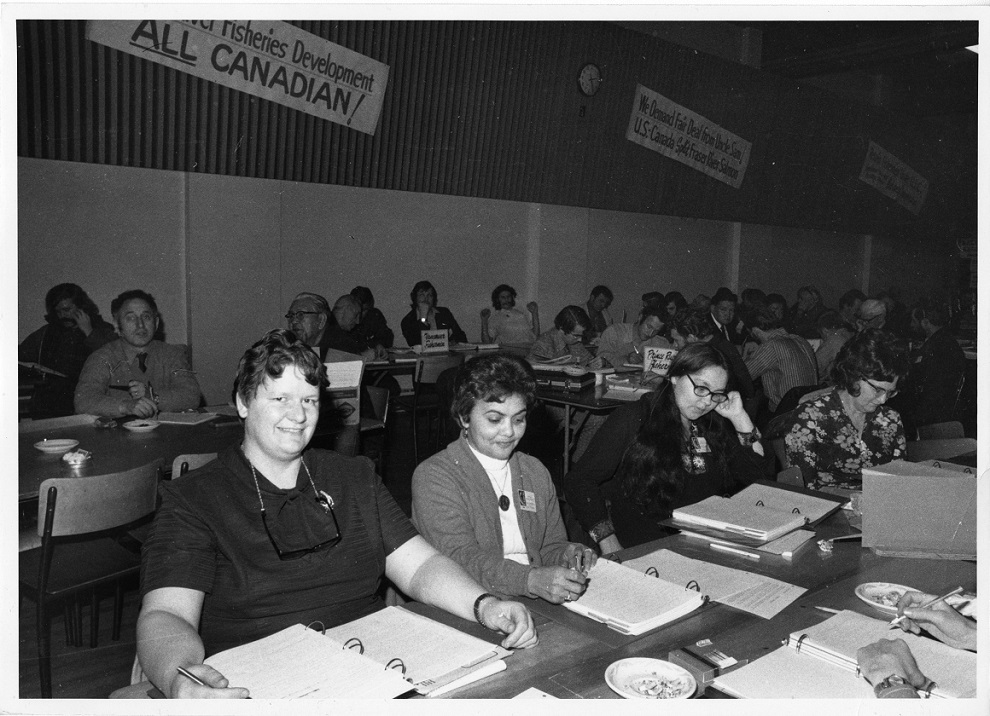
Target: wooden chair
[424, 397]
[944, 449]
[379, 399]
[66, 564]
[791, 476]
[184, 463]
[941, 431]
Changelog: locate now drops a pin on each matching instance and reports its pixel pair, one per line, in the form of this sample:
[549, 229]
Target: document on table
[754, 593]
[300, 663]
[433, 654]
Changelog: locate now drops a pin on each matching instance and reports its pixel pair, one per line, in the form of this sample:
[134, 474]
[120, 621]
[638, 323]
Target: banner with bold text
[667, 128]
[893, 178]
[268, 59]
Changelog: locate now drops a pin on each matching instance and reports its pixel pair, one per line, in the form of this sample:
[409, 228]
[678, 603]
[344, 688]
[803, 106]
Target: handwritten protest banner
[268, 59]
[893, 178]
[666, 127]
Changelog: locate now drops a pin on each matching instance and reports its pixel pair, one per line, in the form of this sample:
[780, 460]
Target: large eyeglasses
[882, 393]
[298, 315]
[717, 396]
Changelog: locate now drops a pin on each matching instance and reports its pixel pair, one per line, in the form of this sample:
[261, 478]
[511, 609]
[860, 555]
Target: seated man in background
[503, 323]
[372, 327]
[782, 360]
[340, 335]
[804, 314]
[849, 305]
[308, 317]
[136, 374]
[722, 315]
[834, 334]
[872, 314]
[625, 342]
[937, 371]
[74, 328]
[598, 302]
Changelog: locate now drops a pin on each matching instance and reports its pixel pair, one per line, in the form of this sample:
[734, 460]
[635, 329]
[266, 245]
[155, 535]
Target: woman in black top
[685, 442]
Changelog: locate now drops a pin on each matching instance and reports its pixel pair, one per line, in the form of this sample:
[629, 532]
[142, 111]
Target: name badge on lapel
[526, 500]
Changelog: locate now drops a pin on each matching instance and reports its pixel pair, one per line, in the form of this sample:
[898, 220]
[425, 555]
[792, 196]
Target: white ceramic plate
[882, 596]
[56, 447]
[640, 678]
[141, 426]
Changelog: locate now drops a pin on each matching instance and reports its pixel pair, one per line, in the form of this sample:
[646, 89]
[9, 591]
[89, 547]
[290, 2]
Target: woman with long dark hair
[687, 441]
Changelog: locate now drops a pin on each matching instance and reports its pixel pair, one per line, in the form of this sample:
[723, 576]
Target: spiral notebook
[632, 602]
[820, 662]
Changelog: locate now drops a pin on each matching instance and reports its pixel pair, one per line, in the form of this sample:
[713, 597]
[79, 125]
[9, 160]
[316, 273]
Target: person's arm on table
[167, 638]
[534, 312]
[889, 665]
[420, 571]
[940, 620]
[95, 398]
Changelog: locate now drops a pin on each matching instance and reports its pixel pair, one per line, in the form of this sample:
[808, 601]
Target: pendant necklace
[503, 501]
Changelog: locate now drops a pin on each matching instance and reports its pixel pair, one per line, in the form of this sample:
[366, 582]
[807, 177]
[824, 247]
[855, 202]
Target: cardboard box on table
[919, 510]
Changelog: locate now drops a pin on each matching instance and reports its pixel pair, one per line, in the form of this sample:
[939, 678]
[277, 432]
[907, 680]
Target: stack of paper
[738, 520]
[632, 602]
[820, 662]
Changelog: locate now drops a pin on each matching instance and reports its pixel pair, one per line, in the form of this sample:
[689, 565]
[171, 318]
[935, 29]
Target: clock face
[589, 79]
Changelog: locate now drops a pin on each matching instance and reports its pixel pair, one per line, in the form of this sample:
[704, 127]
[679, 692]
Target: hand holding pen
[919, 611]
[205, 683]
[579, 558]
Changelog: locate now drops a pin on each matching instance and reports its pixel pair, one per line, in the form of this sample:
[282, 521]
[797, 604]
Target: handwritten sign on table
[657, 360]
[435, 341]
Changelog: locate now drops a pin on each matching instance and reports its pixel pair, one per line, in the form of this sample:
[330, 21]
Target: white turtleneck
[513, 546]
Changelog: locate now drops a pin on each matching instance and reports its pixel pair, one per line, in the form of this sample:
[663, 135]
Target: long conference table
[574, 652]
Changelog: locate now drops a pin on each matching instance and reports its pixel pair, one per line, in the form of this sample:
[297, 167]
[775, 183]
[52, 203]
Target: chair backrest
[780, 451]
[429, 368]
[791, 476]
[378, 397]
[936, 431]
[100, 502]
[184, 463]
[944, 449]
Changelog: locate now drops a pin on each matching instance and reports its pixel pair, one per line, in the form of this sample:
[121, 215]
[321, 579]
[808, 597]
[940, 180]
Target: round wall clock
[589, 79]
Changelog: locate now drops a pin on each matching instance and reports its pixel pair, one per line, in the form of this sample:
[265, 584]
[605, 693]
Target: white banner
[268, 59]
[893, 178]
[667, 128]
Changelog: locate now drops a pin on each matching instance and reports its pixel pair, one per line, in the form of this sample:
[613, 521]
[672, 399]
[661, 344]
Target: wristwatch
[894, 687]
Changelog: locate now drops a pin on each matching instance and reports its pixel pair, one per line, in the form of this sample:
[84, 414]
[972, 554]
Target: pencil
[926, 605]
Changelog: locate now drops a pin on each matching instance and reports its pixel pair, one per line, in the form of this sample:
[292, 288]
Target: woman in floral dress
[834, 437]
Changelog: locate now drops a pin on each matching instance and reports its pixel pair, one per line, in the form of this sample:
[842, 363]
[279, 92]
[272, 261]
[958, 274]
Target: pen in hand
[926, 605]
[190, 675]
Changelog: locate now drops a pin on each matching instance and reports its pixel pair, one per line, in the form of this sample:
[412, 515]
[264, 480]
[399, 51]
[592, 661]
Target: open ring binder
[397, 664]
[353, 643]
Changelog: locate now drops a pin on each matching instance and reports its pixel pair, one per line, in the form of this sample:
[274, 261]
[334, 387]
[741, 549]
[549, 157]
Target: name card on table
[435, 341]
[657, 360]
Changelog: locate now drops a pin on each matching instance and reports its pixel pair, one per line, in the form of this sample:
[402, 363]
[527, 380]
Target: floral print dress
[824, 444]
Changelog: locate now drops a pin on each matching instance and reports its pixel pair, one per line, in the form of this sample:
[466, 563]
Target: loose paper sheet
[754, 593]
